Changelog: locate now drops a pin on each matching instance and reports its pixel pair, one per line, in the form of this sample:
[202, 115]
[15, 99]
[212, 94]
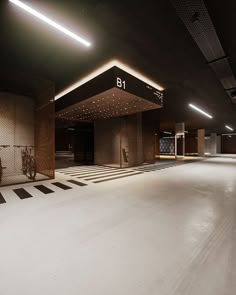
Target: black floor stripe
[155, 167]
[113, 178]
[90, 171]
[97, 173]
[160, 167]
[61, 185]
[77, 182]
[22, 193]
[108, 175]
[44, 189]
[87, 172]
[84, 169]
[2, 200]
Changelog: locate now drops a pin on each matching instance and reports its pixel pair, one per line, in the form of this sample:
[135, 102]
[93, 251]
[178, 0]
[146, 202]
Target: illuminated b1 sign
[135, 86]
[120, 83]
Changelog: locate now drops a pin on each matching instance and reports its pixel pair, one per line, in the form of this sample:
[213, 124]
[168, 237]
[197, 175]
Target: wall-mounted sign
[137, 87]
[120, 83]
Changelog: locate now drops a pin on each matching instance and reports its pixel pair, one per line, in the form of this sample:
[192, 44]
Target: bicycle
[1, 167]
[28, 161]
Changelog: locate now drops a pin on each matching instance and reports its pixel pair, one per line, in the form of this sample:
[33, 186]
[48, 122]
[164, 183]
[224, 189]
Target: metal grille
[195, 16]
[167, 146]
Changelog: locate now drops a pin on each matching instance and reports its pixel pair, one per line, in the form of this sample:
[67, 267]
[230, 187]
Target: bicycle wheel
[1, 168]
[32, 168]
[24, 165]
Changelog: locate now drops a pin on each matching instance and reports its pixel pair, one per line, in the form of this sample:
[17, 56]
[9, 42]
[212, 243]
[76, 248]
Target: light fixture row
[50, 22]
[207, 115]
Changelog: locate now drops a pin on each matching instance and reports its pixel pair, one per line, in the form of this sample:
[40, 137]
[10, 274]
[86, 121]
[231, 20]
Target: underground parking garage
[117, 147]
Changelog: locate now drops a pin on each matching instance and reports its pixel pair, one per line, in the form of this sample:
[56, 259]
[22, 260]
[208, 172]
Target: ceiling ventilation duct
[195, 16]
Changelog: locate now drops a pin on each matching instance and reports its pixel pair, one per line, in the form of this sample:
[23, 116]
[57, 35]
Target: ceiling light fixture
[167, 132]
[50, 22]
[103, 69]
[200, 111]
[227, 134]
[228, 127]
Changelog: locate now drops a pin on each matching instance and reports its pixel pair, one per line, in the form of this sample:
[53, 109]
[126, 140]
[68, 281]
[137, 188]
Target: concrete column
[213, 143]
[179, 140]
[201, 142]
[218, 149]
[134, 133]
[157, 145]
[150, 140]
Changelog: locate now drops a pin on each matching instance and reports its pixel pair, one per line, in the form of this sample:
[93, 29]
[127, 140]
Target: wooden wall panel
[44, 132]
[228, 144]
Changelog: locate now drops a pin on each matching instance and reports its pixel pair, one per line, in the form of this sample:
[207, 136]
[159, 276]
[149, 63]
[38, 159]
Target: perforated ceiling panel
[197, 20]
[111, 103]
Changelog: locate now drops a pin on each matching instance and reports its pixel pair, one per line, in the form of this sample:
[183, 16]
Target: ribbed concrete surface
[165, 232]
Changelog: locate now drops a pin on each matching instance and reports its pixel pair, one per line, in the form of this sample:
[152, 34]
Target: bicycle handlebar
[4, 145]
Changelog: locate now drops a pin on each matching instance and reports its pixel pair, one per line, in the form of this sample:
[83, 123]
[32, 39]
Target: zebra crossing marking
[113, 174]
[97, 174]
[77, 182]
[44, 189]
[2, 200]
[155, 167]
[113, 178]
[100, 173]
[90, 173]
[61, 185]
[22, 193]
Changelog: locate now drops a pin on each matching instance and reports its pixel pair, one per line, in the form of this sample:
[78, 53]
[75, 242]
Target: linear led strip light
[200, 111]
[228, 127]
[50, 22]
[103, 69]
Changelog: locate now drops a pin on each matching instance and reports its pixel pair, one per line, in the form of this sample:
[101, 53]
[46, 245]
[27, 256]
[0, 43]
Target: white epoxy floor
[166, 232]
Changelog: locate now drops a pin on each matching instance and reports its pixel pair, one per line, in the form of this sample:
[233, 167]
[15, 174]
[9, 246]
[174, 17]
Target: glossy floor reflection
[166, 232]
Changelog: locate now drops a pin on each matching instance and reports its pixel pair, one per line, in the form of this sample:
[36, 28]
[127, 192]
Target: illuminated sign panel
[131, 84]
[113, 78]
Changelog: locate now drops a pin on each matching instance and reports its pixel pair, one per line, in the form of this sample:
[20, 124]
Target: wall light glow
[200, 111]
[103, 69]
[50, 22]
[230, 128]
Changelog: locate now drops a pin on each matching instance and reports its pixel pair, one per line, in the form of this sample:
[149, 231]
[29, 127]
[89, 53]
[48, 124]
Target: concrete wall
[207, 145]
[218, 148]
[150, 127]
[107, 141]
[16, 128]
[135, 139]
[228, 144]
[114, 135]
[201, 142]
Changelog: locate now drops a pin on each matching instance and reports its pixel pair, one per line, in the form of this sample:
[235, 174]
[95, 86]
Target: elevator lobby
[117, 147]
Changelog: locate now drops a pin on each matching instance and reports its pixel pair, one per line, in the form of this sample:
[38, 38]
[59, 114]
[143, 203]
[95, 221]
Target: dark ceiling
[147, 35]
